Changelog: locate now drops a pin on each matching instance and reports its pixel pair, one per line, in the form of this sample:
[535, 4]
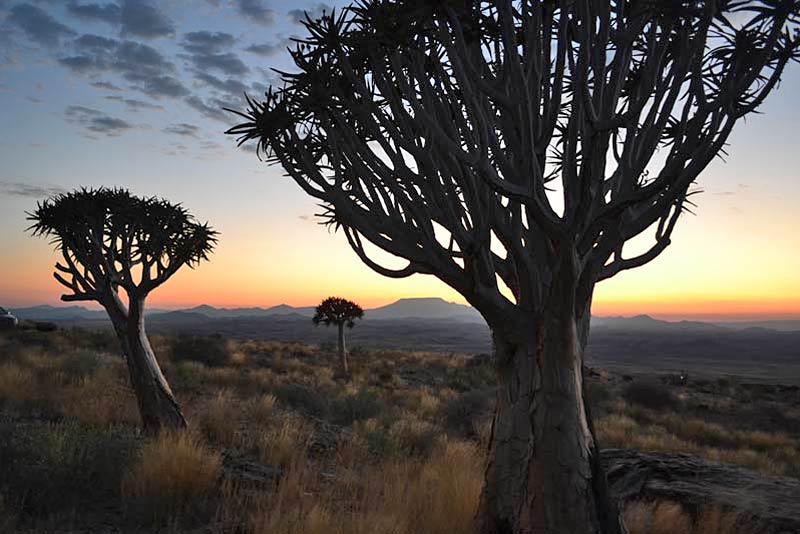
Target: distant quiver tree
[116, 248]
[521, 143]
[342, 313]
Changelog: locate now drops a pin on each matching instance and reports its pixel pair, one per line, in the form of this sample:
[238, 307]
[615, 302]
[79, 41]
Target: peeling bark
[157, 405]
[543, 473]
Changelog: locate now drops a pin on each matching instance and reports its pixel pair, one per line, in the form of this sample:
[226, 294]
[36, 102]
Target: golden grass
[17, 383]
[100, 399]
[667, 517]
[220, 419]
[392, 475]
[174, 473]
[283, 442]
[438, 496]
[262, 409]
[767, 453]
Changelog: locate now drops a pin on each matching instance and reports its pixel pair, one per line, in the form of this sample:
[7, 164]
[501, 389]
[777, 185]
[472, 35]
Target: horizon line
[720, 317]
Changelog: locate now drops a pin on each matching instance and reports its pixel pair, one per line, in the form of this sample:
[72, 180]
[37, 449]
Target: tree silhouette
[521, 144]
[111, 242]
[341, 312]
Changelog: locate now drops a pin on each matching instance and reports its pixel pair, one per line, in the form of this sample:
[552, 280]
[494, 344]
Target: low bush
[464, 413]
[50, 469]
[220, 419]
[650, 395]
[284, 442]
[174, 475]
[357, 406]
[212, 351]
[302, 398]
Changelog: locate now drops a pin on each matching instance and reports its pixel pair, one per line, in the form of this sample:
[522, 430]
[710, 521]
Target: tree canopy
[478, 140]
[338, 311]
[110, 239]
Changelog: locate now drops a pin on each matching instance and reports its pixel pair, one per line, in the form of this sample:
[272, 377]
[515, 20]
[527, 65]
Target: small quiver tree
[116, 245]
[340, 312]
[522, 144]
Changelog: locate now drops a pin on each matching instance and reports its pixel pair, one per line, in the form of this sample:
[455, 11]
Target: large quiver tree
[112, 242]
[514, 143]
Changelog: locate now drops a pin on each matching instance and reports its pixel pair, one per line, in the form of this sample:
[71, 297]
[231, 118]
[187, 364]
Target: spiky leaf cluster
[480, 139]
[111, 239]
[338, 311]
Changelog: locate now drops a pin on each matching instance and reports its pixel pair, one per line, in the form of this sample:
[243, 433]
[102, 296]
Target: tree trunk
[157, 405]
[342, 350]
[543, 473]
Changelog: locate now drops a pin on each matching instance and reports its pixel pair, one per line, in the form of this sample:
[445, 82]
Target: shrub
[469, 377]
[650, 395]
[363, 404]
[262, 409]
[80, 364]
[220, 419]
[302, 398]
[213, 351]
[414, 436]
[53, 468]
[174, 474]
[464, 412]
[285, 442]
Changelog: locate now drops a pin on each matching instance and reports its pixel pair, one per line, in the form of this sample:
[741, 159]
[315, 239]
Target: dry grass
[667, 517]
[174, 473]
[262, 409]
[774, 454]
[220, 419]
[438, 496]
[17, 383]
[284, 441]
[395, 463]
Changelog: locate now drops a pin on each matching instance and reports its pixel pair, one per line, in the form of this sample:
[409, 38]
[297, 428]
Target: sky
[129, 94]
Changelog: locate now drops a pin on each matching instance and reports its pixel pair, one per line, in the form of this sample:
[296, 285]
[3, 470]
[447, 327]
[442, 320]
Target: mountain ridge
[414, 308]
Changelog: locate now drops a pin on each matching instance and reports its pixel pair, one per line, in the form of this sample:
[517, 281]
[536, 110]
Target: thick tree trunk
[543, 473]
[342, 350]
[157, 405]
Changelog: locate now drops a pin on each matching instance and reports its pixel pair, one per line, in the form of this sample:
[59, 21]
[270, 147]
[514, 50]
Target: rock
[695, 483]
[249, 471]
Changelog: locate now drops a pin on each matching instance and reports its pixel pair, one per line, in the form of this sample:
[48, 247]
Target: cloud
[141, 19]
[206, 42]
[133, 104]
[109, 13]
[269, 49]
[21, 189]
[256, 11]
[227, 63]
[140, 64]
[211, 109]
[230, 86]
[96, 122]
[184, 129]
[299, 15]
[108, 86]
[38, 25]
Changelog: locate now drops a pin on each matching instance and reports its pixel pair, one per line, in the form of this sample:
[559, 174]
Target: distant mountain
[66, 313]
[645, 323]
[231, 313]
[785, 325]
[285, 309]
[60, 313]
[424, 308]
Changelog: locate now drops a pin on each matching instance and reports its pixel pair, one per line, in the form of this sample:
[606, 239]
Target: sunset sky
[129, 94]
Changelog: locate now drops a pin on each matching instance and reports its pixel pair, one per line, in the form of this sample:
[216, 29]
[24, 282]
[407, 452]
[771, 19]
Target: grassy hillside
[279, 443]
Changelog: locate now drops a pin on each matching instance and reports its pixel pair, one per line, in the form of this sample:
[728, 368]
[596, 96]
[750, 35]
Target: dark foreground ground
[280, 443]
